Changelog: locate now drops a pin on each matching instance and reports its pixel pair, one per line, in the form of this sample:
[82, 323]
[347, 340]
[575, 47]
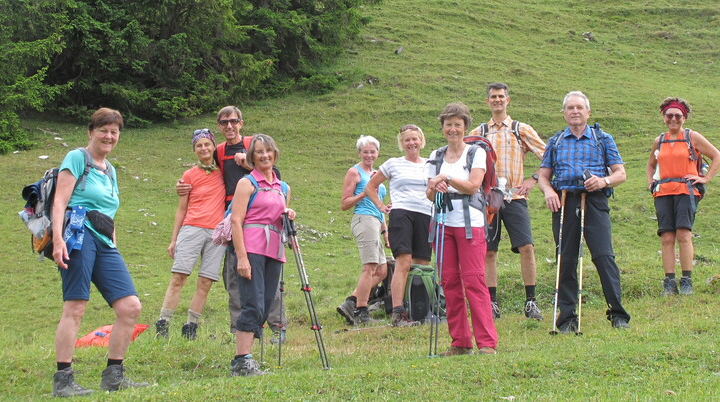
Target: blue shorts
[99, 264]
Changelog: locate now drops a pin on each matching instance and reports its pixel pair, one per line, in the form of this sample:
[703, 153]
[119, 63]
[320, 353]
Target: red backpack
[247, 139]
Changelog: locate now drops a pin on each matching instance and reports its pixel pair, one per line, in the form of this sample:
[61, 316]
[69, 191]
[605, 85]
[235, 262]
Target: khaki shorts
[366, 229]
[193, 242]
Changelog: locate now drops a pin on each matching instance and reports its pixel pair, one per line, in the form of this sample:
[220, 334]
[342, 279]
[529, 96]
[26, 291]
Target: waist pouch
[102, 223]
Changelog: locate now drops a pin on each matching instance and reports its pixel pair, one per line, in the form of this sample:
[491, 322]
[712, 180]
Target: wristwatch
[535, 177]
[448, 178]
[607, 181]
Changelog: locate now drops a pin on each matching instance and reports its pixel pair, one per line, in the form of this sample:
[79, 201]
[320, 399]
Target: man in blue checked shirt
[582, 159]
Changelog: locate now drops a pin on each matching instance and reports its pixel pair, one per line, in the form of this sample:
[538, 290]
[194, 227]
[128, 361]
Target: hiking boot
[532, 310]
[162, 327]
[189, 330]
[456, 351]
[245, 367]
[669, 287]
[686, 285]
[113, 379]
[64, 384]
[569, 327]
[620, 322]
[347, 310]
[495, 309]
[278, 336]
[403, 320]
[486, 350]
[363, 317]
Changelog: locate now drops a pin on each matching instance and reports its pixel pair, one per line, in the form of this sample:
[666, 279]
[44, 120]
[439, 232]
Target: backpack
[695, 156]
[420, 297]
[246, 140]
[483, 130]
[490, 199]
[222, 234]
[599, 137]
[39, 197]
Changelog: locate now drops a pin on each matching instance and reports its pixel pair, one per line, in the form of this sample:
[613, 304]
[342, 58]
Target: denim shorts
[99, 264]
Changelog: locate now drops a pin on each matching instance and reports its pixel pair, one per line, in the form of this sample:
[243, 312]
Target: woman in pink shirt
[258, 205]
[197, 215]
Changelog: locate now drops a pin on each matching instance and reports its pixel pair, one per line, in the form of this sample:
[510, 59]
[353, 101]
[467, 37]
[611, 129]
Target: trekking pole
[289, 227]
[262, 344]
[281, 327]
[437, 276]
[563, 198]
[581, 252]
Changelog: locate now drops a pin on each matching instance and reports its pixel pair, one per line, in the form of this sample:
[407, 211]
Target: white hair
[579, 95]
[366, 140]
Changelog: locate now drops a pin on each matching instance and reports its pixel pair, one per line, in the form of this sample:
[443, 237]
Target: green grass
[644, 51]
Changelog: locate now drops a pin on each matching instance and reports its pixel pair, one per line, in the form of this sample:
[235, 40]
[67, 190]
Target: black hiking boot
[532, 310]
[363, 317]
[245, 367]
[495, 309]
[347, 310]
[162, 327]
[686, 287]
[189, 330]
[669, 287]
[64, 384]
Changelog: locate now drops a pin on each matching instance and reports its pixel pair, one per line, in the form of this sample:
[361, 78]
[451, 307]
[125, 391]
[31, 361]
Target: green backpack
[420, 296]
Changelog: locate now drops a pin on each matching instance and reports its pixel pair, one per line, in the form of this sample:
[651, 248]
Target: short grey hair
[366, 140]
[268, 142]
[575, 94]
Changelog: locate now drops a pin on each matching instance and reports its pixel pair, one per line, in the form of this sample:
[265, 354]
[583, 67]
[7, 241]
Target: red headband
[678, 105]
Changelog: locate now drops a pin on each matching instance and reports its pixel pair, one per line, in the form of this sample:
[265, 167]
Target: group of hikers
[436, 203]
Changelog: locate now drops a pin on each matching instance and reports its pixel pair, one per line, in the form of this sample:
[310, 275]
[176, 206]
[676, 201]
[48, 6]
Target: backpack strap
[89, 165]
[516, 131]
[283, 188]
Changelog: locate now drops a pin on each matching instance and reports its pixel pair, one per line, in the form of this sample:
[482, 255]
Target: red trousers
[463, 277]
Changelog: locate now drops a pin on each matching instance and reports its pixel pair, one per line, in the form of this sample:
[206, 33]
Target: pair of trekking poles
[581, 252]
[291, 234]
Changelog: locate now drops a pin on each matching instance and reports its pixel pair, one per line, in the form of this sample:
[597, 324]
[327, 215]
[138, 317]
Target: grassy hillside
[642, 52]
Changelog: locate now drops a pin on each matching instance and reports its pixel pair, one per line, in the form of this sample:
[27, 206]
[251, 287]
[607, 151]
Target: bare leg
[67, 328]
[201, 292]
[527, 264]
[243, 342]
[365, 283]
[667, 240]
[399, 279]
[172, 294]
[687, 251]
[127, 311]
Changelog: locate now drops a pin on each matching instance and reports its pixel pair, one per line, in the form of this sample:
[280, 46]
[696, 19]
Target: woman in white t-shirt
[409, 215]
[463, 259]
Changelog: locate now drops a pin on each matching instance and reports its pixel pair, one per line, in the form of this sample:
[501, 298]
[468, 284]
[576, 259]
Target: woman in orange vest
[676, 179]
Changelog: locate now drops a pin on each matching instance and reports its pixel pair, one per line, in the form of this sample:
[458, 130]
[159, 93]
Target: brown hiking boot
[456, 351]
[403, 320]
[486, 350]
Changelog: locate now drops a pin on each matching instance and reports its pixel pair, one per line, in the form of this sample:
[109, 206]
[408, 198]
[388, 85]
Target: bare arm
[706, 148]
[290, 212]
[179, 218]
[63, 190]
[239, 209]
[371, 191]
[551, 198]
[348, 200]
[652, 163]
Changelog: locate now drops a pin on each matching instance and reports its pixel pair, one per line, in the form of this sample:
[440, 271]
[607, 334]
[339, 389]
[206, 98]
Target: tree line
[162, 59]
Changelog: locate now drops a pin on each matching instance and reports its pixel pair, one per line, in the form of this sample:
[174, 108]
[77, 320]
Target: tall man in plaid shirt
[511, 141]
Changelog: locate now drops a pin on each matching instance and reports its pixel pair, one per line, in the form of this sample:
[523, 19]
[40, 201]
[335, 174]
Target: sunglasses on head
[676, 116]
[409, 127]
[225, 122]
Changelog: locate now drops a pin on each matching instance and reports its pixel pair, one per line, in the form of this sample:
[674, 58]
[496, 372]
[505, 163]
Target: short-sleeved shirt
[455, 218]
[206, 203]
[511, 153]
[573, 155]
[407, 184]
[100, 194]
[365, 206]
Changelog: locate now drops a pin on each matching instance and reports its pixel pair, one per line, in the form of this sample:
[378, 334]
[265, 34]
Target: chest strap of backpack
[466, 210]
[693, 157]
[267, 228]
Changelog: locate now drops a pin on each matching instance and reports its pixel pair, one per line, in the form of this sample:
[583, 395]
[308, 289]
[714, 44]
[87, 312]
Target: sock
[530, 292]
[247, 356]
[398, 310]
[193, 317]
[114, 362]
[352, 299]
[687, 273]
[166, 314]
[671, 276]
[63, 366]
[493, 293]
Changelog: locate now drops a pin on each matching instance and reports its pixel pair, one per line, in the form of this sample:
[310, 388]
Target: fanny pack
[102, 223]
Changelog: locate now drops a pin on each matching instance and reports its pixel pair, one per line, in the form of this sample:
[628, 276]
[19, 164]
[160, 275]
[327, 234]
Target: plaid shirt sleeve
[532, 141]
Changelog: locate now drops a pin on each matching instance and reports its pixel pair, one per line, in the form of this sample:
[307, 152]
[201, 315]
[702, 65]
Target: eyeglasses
[225, 122]
[409, 127]
[676, 116]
